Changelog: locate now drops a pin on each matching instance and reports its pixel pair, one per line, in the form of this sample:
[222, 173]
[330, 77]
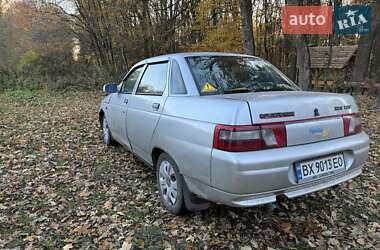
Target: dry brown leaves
[60, 187]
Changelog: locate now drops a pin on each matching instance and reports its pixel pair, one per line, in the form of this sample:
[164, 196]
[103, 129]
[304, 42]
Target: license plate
[317, 168]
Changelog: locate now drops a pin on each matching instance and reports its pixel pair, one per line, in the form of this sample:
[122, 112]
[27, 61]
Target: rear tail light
[266, 136]
[249, 138]
[352, 124]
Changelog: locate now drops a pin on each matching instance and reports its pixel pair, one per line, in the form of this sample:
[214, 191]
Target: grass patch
[377, 197]
[302, 245]
[52, 241]
[31, 147]
[135, 215]
[97, 199]
[357, 212]
[6, 230]
[148, 238]
[24, 218]
[15, 244]
[63, 190]
[19, 95]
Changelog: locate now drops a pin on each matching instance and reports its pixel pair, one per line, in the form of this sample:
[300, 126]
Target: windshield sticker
[208, 87]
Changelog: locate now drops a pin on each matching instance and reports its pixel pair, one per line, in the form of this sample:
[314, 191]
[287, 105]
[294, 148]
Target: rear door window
[154, 80]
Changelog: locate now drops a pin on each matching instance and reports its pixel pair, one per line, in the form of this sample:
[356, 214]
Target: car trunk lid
[308, 116]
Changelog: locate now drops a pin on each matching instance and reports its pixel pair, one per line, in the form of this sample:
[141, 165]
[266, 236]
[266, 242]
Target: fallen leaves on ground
[60, 187]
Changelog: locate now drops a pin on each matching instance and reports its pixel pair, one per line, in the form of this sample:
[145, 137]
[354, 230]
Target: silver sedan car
[231, 129]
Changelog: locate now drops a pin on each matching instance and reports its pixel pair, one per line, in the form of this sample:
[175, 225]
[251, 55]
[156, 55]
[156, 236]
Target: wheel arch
[101, 116]
[156, 152]
[191, 202]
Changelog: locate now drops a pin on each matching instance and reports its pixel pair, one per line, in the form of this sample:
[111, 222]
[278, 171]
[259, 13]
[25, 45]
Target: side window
[154, 80]
[177, 85]
[130, 81]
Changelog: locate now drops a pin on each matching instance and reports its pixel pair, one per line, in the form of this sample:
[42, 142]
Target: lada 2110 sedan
[231, 129]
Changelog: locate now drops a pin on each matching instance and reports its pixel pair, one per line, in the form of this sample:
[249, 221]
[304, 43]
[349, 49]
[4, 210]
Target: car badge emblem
[316, 112]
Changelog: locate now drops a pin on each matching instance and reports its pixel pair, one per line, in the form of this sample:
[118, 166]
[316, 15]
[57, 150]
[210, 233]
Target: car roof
[188, 54]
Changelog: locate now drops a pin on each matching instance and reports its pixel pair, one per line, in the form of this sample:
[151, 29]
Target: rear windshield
[233, 74]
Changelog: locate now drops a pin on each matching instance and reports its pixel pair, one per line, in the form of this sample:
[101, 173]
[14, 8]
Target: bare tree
[363, 55]
[303, 75]
[375, 62]
[303, 63]
[246, 13]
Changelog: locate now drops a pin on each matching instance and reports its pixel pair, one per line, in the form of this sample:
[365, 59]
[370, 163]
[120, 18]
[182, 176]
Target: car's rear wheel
[170, 185]
[107, 138]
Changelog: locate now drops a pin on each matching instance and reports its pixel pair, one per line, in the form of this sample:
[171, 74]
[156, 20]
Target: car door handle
[126, 101]
[155, 106]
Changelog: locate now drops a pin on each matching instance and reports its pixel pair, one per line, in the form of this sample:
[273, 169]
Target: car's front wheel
[107, 138]
[170, 185]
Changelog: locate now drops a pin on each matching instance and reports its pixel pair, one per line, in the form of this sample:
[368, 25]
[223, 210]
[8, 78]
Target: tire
[170, 185]
[107, 137]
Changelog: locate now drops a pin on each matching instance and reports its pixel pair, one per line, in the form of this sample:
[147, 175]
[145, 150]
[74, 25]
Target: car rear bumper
[254, 178]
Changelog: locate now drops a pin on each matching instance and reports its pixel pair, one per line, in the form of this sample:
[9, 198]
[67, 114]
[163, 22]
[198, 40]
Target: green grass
[52, 241]
[63, 190]
[6, 230]
[150, 237]
[358, 212]
[19, 95]
[135, 215]
[96, 200]
[377, 197]
[24, 218]
[31, 147]
[15, 244]
[303, 246]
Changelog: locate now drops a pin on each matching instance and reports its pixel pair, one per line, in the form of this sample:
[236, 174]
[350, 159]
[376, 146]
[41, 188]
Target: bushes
[16, 81]
[29, 62]
[31, 74]
[19, 95]
[77, 83]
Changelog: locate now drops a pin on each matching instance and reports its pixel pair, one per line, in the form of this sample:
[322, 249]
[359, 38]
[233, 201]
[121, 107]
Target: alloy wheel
[168, 183]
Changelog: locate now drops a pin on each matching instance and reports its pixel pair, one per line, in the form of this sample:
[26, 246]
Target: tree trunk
[375, 64]
[300, 42]
[247, 28]
[303, 63]
[265, 3]
[360, 70]
[147, 33]
[377, 105]
[363, 55]
[291, 59]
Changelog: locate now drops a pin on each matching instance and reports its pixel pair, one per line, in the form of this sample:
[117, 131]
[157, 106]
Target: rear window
[233, 74]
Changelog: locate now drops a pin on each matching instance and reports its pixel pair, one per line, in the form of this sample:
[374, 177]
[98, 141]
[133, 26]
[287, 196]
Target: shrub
[19, 95]
[29, 62]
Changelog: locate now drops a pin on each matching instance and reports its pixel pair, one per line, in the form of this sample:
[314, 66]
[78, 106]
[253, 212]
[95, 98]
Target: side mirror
[110, 88]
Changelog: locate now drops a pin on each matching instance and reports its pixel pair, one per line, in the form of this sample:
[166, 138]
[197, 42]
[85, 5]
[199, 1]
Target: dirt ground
[60, 187]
